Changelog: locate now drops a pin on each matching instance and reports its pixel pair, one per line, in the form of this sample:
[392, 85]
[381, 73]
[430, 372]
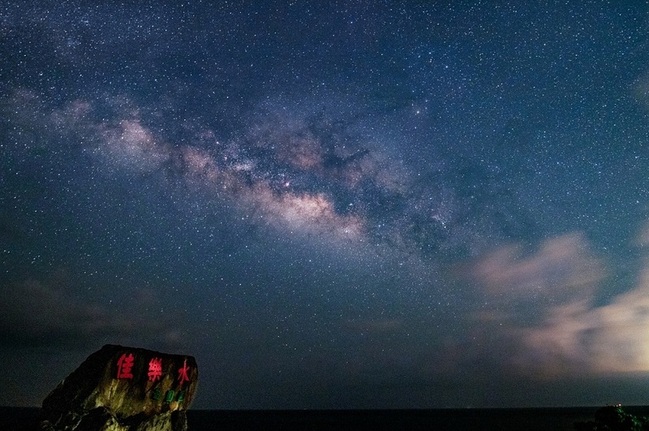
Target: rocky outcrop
[123, 389]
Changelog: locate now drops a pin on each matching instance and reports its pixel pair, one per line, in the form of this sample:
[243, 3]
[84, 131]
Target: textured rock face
[123, 389]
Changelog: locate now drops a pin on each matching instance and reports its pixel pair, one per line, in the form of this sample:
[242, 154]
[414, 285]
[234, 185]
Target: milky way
[400, 206]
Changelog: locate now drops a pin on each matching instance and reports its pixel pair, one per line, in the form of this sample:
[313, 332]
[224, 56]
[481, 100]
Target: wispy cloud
[37, 313]
[545, 305]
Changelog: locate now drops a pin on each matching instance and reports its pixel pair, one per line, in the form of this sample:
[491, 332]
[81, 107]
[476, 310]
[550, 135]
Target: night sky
[345, 204]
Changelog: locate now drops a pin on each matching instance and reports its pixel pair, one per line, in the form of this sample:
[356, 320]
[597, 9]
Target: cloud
[562, 270]
[608, 338]
[621, 343]
[37, 314]
[569, 333]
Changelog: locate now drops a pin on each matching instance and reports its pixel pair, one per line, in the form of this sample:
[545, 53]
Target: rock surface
[123, 389]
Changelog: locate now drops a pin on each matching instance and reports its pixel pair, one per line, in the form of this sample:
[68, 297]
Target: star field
[330, 206]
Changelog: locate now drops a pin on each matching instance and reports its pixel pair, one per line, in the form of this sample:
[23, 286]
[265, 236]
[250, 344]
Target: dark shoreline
[503, 419]
[530, 419]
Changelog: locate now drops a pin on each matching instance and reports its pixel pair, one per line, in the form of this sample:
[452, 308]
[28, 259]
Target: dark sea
[532, 419]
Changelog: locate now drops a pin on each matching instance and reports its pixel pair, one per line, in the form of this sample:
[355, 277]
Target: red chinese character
[124, 365]
[182, 373]
[155, 369]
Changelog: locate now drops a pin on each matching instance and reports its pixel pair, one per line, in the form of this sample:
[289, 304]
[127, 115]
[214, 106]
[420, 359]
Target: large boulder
[123, 389]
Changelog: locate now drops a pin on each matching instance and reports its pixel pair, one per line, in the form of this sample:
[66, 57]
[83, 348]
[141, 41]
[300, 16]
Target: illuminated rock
[123, 389]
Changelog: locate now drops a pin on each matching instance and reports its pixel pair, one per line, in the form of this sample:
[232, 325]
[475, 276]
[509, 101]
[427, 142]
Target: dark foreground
[553, 419]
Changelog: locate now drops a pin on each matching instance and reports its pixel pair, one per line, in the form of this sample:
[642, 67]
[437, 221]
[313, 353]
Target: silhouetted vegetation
[614, 418]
